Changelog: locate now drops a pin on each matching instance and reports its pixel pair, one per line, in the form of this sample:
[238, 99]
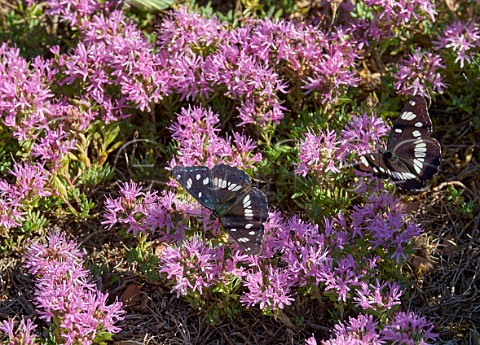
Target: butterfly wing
[198, 182]
[244, 220]
[413, 122]
[373, 163]
[228, 184]
[383, 166]
[422, 157]
[228, 193]
[411, 144]
[412, 156]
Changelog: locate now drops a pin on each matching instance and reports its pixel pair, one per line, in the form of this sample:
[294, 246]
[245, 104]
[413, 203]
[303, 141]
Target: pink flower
[409, 329]
[419, 74]
[53, 147]
[25, 333]
[64, 295]
[197, 131]
[318, 153]
[356, 331]
[463, 39]
[193, 266]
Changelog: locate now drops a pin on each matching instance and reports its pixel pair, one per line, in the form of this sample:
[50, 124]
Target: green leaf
[102, 337]
[152, 5]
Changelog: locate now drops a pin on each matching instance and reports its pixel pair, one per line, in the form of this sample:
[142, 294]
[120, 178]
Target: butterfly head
[218, 212]
[387, 154]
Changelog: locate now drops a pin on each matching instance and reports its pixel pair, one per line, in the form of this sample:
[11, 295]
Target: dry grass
[447, 285]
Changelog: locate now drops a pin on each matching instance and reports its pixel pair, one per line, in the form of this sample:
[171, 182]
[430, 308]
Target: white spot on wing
[418, 124]
[417, 165]
[243, 239]
[246, 201]
[205, 181]
[248, 226]
[408, 175]
[199, 194]
[189, 183]
[398, 130]
[232, 186]
[198, 176]
[420, 149]
[238, 187]
[364, 160]
[408, 115]
[416, 134]
[420, 154]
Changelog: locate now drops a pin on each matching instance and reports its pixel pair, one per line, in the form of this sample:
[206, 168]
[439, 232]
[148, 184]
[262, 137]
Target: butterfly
[228, 193]
[412, 157]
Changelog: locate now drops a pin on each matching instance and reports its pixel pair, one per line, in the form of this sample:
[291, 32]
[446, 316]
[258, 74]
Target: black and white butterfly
[228, 193]
[412, 157]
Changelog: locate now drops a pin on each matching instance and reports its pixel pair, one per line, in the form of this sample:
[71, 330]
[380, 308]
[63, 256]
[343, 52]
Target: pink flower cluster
[386, 17]
[246, 64]
[197, 58]
[309, 256]
[197, 131]
[318, 152]
[326, 152]
[64, 294]
[402, 328]
[24, 334]
[30, 183]
[462, 39]
[419, 74]
[255, 71]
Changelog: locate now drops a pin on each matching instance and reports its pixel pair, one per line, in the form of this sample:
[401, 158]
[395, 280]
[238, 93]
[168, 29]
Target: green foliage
[143, 255]
[94, 175]
[103, 338]
[320, 200]
[100, 140]
[464, 205]
[8, 148]
[233, 13]
[152, 5]
[34, 221]
[218, 302]
[83, 204]
[27, 27]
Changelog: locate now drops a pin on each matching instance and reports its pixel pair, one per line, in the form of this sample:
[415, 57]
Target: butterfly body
[228, 193]
[412, 157]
